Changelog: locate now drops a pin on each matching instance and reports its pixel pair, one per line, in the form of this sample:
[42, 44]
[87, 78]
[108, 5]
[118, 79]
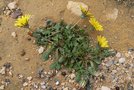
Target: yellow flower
[85, 12]
[96, 24]
[22, 21]
[102, 41]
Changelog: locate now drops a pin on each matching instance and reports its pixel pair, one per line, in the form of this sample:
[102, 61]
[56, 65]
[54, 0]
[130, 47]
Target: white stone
[13, 34]
[25, 84]
[3, 71]
[118, 55]
[43, 87]
[74, 7]
[8, 12]
[57, 83]
[12, 5]
[29, 78]
[72, 76]
[122, 60]
[41, 50]
[20, 76]
[105, 88]
[2, 87]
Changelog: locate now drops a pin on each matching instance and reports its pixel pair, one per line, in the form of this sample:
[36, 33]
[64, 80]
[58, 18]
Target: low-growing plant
[72, 49]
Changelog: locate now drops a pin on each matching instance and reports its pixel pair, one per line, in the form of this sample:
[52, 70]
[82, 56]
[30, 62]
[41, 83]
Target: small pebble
[2, 87]
[122, 60]
[23, 53]
[57, 82]
[12, 5]
[3, 71]
[118, 55]
[13, 34]
[36, 85]
[72, 76]
[41, 50]
[10, 73]
[7, 65]
[85, 26]
[109, 63]
[7, 81]
[43, 85]
[40, 72]
[63, 73]
[16, 14]
[25, 84]
[105, 88]
[20, 76]
[29, 78]
[27, 59]
[8, 12]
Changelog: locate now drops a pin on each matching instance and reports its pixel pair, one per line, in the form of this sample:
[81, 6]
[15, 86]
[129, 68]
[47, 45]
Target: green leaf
[61, 59]
[57, 26]
[55, 65]
[78, 77]
[47, 53]
[97, 61]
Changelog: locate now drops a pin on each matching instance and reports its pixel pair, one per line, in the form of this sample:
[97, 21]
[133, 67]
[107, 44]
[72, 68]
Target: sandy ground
[119, 32]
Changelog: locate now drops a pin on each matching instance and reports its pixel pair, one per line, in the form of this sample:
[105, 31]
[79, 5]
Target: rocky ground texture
[116, 73]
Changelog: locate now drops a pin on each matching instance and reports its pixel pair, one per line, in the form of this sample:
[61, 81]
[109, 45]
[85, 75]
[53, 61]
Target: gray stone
[129, 86]
[109, 63]
[7, 65]
[40, 73]
[16, 14]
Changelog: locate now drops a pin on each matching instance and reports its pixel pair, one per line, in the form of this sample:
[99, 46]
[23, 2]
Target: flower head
[85, 12]
[102, 41]
[96, 24]
[22, 21]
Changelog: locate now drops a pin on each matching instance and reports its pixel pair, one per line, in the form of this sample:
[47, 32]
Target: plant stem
[76, 23]
[30, 32]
